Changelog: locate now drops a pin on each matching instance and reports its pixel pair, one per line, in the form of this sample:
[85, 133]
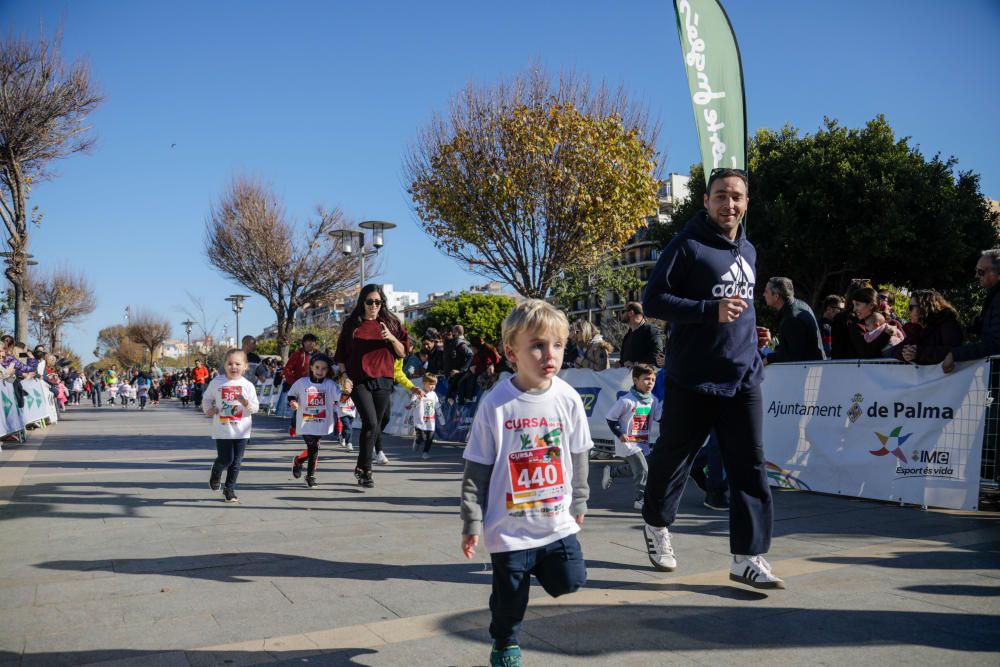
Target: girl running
[314, 399]
[230, 399]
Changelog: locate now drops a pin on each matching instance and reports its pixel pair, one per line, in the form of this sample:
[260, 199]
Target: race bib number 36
[536, 474]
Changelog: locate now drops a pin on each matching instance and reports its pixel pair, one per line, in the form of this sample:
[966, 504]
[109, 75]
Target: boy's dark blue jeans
[230, 456]
[559, 568]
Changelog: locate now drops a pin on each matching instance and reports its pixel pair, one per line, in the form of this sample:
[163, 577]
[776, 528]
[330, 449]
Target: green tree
[603, 279]
[856, 203]
[527, 179]
[480, 314]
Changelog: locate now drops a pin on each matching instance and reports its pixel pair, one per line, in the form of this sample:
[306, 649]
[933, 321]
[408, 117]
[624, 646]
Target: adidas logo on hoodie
[737, 281]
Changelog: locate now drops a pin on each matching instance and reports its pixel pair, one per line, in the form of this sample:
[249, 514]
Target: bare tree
[43, 107]
[250, 239]
[197, 312]
[149, 330]
[115, 347]
[61, 298]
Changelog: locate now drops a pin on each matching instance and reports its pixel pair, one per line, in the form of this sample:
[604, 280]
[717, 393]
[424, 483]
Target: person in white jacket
[230, 400]
[629, 419]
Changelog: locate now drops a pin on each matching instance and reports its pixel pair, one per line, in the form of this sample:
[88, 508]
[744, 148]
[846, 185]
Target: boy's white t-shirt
[424, 411]
[634, 419]
[317, 413]
[528, 439]
[231, 421]
[347, 409]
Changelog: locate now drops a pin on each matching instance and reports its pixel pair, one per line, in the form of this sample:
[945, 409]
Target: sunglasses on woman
[372, 302]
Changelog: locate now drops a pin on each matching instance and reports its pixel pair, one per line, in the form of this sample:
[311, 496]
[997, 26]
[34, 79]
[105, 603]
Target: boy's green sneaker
[510, 656]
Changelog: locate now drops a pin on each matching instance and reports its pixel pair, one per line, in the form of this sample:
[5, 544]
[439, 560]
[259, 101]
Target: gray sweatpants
[636, 465]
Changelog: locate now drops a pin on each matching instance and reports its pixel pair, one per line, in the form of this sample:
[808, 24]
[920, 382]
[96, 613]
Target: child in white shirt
[426, 412]
[230, 399]
[526, 468]
[314, 399]
[629, 419]
[346, 413]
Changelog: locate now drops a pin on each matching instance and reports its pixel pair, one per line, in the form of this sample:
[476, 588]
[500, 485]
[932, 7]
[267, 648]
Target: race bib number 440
[536, 474]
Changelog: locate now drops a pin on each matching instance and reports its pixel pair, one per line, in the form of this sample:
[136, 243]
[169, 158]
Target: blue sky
[323, 98]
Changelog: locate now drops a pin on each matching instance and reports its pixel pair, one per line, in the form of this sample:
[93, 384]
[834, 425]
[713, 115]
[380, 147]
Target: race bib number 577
[536, 474]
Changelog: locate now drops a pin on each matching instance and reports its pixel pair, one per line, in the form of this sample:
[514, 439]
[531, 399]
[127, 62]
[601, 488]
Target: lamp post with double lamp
[187, 329]
[348, 236]
[237, 302]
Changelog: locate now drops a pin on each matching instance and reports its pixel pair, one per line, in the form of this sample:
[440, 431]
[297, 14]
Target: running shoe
[310, 481]
[425, 455]
[296, 469]
[639, 504]
[230, 496]
[509, 656]
[606, 479]
[367, 480]
[659, 549]
[291, 431]
[754, 571]
[382, 459]
[349, 447]
[717, 500]
[214, 480]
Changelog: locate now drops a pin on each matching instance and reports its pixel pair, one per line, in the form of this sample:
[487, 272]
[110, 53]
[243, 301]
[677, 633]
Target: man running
[703, 284]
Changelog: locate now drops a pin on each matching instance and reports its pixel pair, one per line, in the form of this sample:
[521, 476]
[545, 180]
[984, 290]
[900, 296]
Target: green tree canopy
[602, 279]
[856, 203]
[480, 314]
[534, 176]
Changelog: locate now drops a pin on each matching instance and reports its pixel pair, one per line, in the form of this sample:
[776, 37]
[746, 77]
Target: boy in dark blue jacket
[703, 285]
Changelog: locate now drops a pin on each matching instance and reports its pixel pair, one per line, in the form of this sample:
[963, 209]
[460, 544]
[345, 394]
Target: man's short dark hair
[638, 370]
[308, 337]
[716, 174]
[782, 287]
[634, 307]
[431, 333]
[833, 301]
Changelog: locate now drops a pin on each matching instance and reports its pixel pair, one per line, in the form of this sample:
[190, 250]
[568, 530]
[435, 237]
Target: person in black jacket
[642, 343]
[988, 323]
[934, 329]
[798, 333]
[703, 285]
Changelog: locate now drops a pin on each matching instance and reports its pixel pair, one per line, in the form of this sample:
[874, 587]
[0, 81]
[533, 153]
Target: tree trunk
[20, 311]
[53, 339]
[281, 336]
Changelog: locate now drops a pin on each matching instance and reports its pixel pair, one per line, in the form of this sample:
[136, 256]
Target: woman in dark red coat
[369, 344]
[938, 331]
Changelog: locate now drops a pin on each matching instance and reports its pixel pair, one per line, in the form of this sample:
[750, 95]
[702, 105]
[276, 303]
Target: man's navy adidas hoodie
[695, 271]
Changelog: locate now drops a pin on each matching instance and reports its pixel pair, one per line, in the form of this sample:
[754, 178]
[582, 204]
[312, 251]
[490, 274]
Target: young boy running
[629, 419]
[426, 412]
[526, 468]
[314, 400]
[230, 399]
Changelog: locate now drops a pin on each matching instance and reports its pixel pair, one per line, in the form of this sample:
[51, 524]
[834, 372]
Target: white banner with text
[883, 431]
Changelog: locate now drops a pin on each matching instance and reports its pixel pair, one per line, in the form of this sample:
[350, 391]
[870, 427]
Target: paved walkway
[112, 549]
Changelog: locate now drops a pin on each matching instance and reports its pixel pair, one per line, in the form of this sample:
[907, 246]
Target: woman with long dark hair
[936, 329]
[369, 345]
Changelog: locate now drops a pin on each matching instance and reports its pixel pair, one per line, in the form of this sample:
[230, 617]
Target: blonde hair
[235, 350]
[586, 330]
[534, 315]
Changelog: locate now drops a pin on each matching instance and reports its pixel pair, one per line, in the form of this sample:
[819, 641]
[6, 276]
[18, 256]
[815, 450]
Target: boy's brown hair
[639, 370]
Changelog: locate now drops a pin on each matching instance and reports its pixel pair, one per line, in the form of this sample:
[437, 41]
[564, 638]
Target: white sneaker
[606, 479]
[639, 504]
[659, 549]
[349, 447]
[754, 571]
[425, 455]
[382, 459]
[414, 446]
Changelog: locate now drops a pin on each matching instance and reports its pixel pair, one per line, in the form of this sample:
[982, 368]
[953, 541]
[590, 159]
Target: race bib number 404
[536, 474]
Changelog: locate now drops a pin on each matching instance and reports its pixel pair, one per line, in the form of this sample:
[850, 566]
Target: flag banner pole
[715, 78]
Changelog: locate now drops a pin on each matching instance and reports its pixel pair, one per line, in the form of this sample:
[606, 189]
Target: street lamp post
[237, 302]
[348, 236]
[187, 328]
